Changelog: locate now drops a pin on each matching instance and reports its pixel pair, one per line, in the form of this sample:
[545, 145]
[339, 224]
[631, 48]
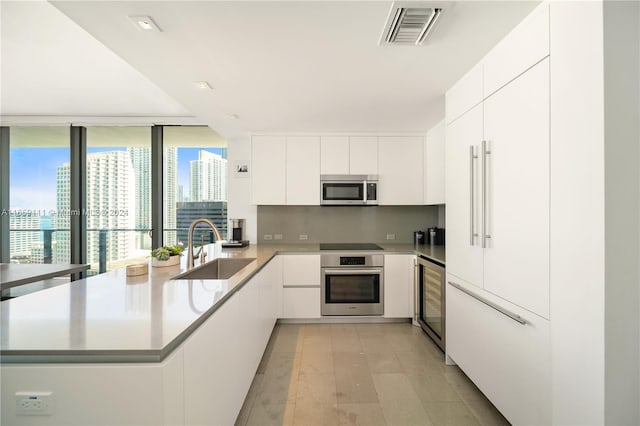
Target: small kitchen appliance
[237, 239]
[435, 236]
[349, 190]
[418, 237]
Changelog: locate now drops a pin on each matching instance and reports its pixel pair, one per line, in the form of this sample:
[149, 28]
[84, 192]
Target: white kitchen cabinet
[301, 296]
[526, 45]
[434, 165]
[334, 155]
[516, 128]
[301, 302]
[398, 285]
[498, 199]
[464, 251]
[303, 170]
[400, 170]
[465, 94]
[221, 357]
[363, 155]
[268, 175]
[301, 270]
[508, 361]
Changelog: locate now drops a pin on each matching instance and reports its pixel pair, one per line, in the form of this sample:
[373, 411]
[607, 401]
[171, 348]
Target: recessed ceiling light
[233, 116]
[144, 23]
[203, 85]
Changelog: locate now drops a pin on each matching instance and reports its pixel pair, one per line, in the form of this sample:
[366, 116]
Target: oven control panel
[352, 260]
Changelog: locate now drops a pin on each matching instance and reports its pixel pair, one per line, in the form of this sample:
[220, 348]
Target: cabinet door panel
[400, 170]
[334, 155]
[363, 155]
[434, 160]
[303, 170]
[516, 261]
[268, 177]
[464, 259]
[301, 270]
[398, 285]
[508, 361]
[301, 302]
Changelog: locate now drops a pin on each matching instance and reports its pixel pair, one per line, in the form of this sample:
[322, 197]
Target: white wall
[239, 186]
[622, 215]
[577, 213]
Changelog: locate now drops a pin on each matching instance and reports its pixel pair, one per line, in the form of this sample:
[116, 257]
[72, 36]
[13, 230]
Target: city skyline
[29, 188]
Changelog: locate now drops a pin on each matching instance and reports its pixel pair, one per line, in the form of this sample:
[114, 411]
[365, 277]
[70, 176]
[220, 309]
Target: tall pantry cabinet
[497, 165]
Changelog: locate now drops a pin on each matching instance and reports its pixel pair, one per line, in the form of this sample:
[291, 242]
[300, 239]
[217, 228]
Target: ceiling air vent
[410, 24]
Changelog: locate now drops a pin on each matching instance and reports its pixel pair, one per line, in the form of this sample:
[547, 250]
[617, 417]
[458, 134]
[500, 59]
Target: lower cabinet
[221, 357]
[300, 286]
[398, 285]
[301, 302]
[508, 361]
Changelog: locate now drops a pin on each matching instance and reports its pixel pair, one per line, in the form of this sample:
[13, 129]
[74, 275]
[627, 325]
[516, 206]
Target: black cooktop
[350, 246]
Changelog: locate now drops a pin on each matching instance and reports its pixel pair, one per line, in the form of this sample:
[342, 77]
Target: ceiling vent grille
[410, 25]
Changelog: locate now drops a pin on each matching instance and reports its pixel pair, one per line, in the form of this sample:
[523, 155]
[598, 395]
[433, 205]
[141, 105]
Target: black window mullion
[78, 198]
[157, 178]
[4, 195]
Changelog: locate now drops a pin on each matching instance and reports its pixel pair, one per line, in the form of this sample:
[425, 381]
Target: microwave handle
[365, 189]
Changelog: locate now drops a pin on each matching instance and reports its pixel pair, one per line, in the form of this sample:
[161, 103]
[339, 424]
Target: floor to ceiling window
[39, 194]
[118, 210]
[195, 182]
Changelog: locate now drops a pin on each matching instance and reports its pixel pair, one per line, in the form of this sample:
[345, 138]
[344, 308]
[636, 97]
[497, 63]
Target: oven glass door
[343, 191]
[352, 292]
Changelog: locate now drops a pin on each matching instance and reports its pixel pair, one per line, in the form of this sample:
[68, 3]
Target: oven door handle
[347, 271]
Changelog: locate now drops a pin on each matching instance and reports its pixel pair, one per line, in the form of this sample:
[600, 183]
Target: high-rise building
[62, 251]
[187, 212]
[170, 191]
[21, 242]
[141, 162]
[208, 177]
[110, 205]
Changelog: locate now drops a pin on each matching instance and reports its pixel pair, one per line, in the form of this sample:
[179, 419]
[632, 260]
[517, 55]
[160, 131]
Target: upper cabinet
[303, 170]
[434, 159]
[400, 170]
[268, 177]
[465, 94]
[524, 47]
[334, 155]
[363, 155]
[349, 155]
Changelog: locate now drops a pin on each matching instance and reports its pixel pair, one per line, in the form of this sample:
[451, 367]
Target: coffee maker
[236, 234]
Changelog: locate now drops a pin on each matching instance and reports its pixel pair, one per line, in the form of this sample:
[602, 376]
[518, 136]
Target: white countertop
[13, 275]
[115, 318]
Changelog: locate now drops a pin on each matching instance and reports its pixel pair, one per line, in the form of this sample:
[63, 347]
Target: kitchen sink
[218, 269]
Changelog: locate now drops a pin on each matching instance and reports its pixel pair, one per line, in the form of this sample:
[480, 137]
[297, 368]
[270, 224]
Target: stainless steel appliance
[352, 283]
[237, 227]
[349, 190]
[430, 299]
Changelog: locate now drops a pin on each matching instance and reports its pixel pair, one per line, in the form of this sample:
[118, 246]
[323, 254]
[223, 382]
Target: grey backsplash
[346, 224]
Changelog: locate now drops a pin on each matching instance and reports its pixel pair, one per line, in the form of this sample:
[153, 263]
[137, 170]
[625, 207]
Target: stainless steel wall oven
[352, 284]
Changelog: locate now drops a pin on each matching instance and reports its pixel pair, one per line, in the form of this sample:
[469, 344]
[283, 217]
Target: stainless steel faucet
[192, 227]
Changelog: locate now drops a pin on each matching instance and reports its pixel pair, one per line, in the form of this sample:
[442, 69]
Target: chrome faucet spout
[192, 227]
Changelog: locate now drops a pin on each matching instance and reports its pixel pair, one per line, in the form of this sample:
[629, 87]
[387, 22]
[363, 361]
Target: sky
[33, 174]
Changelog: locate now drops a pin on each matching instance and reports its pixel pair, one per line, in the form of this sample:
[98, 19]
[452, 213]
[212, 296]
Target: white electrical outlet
[277, 236]
[34, 403]
[304, 237]
[268, 237]
[391, 236]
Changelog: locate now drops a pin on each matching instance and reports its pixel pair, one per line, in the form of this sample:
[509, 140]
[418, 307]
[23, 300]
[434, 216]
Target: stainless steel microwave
[349, 190]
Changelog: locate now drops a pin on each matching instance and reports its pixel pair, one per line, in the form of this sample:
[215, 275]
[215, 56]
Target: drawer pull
[489, 303]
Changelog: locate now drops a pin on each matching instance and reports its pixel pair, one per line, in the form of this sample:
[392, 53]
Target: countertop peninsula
[114, 318]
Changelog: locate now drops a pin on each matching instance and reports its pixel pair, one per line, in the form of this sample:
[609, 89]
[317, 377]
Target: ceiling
[289, 66]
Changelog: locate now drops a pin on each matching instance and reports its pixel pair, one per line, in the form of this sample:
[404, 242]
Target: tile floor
[360, 374]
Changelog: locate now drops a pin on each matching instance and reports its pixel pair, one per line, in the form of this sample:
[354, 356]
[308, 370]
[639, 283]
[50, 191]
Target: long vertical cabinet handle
[472, 232]
[416, 290]
[485, 203]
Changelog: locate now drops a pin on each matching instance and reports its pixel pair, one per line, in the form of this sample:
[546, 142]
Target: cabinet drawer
[523, 47]
[301, 270]
[508, 361]
[301, 302]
